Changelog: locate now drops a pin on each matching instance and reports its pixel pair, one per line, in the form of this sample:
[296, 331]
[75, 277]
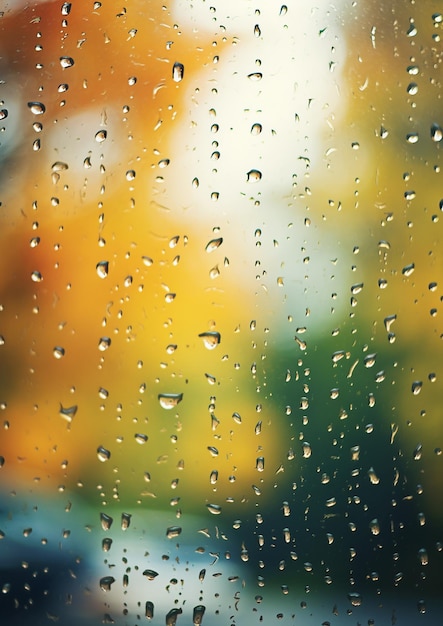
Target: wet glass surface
[220, 313]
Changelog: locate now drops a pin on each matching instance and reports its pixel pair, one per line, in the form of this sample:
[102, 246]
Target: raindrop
[149, 610]
[169, 400]
[141, 438]
[369, 360]
[101, 135]
[58, 352]
[104, 343]
[214, 244]
[213, 477]
[260, 464]
[373, 476]
[173, 531]
[197, 614]
[307, 451]
[408, 269]
[171, 617]
[150, 574]
[106, 582]
[106, 521]
[37, 108]
[255, 76]
[36, 277]
[423, 556]
[103, 454]
[68, 413]
[257, 31]
[416, 387]
[215, 509]
[3, 114]
[354, 598]
[388, 321]
[417, 452]
[102, 269]
[253, 176]
[211, 339]
[178, 70]
[125, 521]
[106, 544]
[374, 527]
[436, 132]
[66, 62]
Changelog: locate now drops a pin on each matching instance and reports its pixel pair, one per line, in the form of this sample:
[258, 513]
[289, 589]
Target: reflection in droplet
[169, 400]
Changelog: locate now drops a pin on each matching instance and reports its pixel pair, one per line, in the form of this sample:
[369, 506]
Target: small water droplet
[3, 114]
[106, 582]
[101, 135]
[436, 133]
[36, 277]
[37, 108]
[149, 610]
[103, 454]
[169, 400]
[197, 614]
[369, 360]
[214, 244]
[260, 464]
[141, 438]
[178, 70]
[416, 387]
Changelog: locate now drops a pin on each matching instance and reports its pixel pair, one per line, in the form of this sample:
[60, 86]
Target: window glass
[220, 312]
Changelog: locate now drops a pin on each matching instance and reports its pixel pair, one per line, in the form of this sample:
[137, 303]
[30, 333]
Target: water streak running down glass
[220, 313]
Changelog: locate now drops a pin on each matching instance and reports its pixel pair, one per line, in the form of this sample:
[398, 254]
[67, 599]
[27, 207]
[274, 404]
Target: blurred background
[220, 318]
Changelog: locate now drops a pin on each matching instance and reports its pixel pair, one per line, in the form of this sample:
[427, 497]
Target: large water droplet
[66, 62]
[215, 509]
[171, 617]
[37, 108]
[106, 521]
[102, 269]
[103, 454]
[104, 343]
[150, 574]
[211, 339]
[149, 610]
[178, 71]
[173, 531]
[100, 136]
[106, 582]
[253, 176]
[169, 400]
[197, 614]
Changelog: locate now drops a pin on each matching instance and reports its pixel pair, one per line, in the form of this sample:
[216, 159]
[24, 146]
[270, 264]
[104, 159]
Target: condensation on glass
[220, 312]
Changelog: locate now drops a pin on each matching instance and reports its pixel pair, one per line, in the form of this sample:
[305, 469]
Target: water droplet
[125, 521]
[355, 598]
[169, 400]
[37, 108]
[374, 527]
[171, 617]
[253, 176]
[260, 464]
[106, 544]
[101, 135]
[104, 343]
[36, 277]
[408, 269]
[213, 477]
[68, 413]
[211, 339]
[416, 387]
[306, 448]
[141, 438]
[106, 521]
[130, 175]
[417, 452]
[197, 614]
[436, 132]
[66, 62]
[215, 509]
[149, 610]
[214, 244]
[369, 360]
[58, 352]
[106, 582]
[173, 531]
[374, 479]
[423, 556]
[150, 574]
[178, 70]
[103, 454]
[3, 114]
[255, 76]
